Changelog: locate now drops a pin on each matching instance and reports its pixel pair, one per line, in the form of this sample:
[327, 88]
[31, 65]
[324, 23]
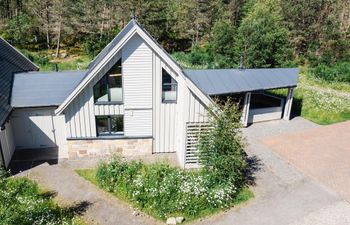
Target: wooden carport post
[245, 113]
[288, 105]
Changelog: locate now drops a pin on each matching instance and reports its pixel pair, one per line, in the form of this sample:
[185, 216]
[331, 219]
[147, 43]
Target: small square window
[169, 88]
[110, 125]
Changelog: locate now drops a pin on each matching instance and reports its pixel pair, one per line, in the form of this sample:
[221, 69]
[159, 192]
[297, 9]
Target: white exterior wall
[7, 143]
[170, 118]
[165, 114]
[137, 87]
[80, 114]
[137, 96]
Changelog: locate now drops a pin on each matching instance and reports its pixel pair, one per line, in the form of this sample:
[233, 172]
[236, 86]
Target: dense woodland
[213, 33]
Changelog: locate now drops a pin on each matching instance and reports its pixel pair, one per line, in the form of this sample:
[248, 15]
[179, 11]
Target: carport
[248, 87]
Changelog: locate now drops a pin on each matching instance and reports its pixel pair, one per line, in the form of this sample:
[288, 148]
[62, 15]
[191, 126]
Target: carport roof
[226, 81]
[34, 89]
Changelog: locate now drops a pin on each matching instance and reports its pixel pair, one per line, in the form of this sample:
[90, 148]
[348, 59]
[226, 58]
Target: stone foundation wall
[102, 147]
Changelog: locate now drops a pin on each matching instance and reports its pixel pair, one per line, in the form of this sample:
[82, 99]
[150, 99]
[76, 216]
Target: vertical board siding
[7, 143]
[135, 123]
[137, 84]
[80, 113]
[165, 114]
[102, 110]
[137, 71]
[197, 110]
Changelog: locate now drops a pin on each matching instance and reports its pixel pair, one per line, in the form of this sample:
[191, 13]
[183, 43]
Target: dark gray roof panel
[224, 81]
[36, 89]
[11, 61]
[12, 55]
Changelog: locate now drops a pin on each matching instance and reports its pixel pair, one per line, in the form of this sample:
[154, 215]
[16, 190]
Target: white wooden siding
[39, 128]
[101, 110]
[165, 114]
[137, 91]
[197, 111]
[137, 74]
[7, 143]
[135, 123]
[80, 114]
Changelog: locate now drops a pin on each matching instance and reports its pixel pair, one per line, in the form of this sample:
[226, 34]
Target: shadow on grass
[254, 165]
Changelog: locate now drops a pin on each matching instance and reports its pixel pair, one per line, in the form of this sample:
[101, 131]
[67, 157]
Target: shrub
[162, 190]
[221, 149]
[339, 72]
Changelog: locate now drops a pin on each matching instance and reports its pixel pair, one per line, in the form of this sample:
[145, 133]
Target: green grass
[23, 202]
[319, 101]
[76, 63]
[244, 195]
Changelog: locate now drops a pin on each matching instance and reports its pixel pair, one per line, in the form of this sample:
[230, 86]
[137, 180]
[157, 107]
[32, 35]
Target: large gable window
[110, 125]
[110, 88]
[169, 88]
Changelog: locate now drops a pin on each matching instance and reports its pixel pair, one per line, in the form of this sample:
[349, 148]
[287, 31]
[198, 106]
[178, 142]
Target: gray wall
[7, 143]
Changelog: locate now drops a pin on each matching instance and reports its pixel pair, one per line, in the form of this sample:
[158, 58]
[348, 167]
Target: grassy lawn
[319, 101]
[241, 197]
[72, 60]
[23, 202]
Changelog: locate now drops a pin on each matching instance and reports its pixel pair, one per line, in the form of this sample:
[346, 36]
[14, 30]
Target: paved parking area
[322, 153]
[284, 195]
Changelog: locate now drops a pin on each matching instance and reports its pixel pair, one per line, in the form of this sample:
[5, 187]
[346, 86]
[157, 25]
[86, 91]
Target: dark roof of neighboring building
[36, 89]
[225, 81]
[11, 61]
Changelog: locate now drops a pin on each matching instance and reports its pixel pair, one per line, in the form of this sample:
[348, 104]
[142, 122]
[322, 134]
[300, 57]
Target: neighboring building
[11, 61]
[134, 99]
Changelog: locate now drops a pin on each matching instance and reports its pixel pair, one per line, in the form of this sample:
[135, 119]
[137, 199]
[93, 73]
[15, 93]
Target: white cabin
[133, 100]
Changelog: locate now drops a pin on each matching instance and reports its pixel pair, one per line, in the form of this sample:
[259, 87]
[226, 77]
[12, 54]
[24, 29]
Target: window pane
[117, 124]
[115, 87]
[102, 125]
[169, 87]
[100, 91]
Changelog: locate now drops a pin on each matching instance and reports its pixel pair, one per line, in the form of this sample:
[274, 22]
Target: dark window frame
[174, 84]
[106, 76]
[109, 119]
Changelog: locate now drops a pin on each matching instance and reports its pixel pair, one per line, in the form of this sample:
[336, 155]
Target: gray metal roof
[34, 89]
[225, 81]
[11, 61]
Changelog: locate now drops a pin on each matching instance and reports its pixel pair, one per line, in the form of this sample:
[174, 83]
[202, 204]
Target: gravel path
[101, 208]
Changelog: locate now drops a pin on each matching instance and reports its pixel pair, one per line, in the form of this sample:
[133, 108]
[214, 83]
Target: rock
[136, 213]
[171, 221]
[179, 219]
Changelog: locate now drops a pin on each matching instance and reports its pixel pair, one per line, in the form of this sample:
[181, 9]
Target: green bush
[164, 191]
[339, 72]
[21, 202]
[221, 148]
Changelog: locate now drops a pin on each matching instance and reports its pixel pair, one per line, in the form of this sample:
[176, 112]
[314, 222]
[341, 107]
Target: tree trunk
[47, 26]
[59, 37]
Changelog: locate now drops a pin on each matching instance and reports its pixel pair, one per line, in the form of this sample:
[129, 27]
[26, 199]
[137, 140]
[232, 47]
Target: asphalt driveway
[322, 153]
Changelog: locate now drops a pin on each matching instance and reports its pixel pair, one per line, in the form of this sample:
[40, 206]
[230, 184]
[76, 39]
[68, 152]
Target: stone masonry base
[101, 147]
